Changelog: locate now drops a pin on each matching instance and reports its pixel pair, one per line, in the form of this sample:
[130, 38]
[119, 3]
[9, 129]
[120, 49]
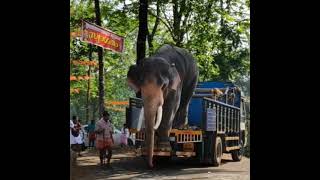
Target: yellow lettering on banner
[103, 38]
[91, 35]
[95, 36]
[116, 44]
[98, 37]
[106, 40]
[111, 42]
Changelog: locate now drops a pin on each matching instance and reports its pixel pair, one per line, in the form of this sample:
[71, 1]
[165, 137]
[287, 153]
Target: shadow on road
[135, 167]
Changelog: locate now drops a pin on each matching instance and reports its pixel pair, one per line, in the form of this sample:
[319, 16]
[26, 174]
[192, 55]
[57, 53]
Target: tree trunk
[179, 8]
[88, 86]
[176, 21]
[100, 58]
[143, 30]
[222, 9]
[142, 34]
[151, 35]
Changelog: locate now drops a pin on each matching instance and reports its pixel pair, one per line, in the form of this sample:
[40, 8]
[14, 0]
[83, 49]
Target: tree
[154, 29]
[181, 8]
[143, 30]
[115, 65]
[88, 85]
[178, 24]
[219, 39]
[100, 58]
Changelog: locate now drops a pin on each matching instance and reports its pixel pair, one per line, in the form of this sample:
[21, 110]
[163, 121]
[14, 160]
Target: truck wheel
[237, 154]
[217, 155]
[161, 160]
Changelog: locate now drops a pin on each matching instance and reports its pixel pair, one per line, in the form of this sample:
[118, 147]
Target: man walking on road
[104, 138]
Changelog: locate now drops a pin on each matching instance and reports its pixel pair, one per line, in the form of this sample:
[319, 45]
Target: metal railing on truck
[221, 117]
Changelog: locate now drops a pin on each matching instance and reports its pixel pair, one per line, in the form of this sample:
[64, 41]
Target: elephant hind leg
[180, 119]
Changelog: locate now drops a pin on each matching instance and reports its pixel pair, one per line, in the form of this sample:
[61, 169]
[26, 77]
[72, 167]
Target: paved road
[126, 166]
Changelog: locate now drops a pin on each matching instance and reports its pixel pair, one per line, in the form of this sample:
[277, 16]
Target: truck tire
[161, 160]
[237, 154]
[217, 155]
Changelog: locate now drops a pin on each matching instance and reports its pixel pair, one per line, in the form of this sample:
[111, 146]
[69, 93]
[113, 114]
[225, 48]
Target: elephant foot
[164, 146]
[181, 124]
[150, 165]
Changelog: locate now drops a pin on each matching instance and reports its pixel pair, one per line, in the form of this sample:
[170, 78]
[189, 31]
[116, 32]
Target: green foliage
[116, 65]
[219, 39]
[216, 32]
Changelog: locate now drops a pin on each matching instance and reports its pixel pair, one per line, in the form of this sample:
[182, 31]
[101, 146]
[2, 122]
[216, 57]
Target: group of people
[100, 135]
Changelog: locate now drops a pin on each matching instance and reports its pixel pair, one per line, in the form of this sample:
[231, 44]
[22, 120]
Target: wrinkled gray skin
[166, 82]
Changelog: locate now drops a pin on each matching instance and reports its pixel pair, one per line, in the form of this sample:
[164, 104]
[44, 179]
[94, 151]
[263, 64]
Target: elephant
[166, 81]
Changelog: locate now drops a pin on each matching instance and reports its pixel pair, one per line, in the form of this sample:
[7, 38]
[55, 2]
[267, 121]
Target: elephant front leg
[163, 132]
[163, 143]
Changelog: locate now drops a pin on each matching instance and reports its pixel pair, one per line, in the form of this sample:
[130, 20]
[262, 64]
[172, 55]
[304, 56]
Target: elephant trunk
[150, 113]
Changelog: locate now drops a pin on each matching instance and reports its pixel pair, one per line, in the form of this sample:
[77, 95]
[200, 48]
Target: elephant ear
[133, 77]
[169, 77]
[174, 77]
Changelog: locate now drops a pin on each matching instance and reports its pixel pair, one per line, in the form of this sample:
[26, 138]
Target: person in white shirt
[75, 136]
[72, 139]
[125, 135]
[125, 130]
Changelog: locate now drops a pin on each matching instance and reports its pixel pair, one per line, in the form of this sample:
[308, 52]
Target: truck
[216, 125]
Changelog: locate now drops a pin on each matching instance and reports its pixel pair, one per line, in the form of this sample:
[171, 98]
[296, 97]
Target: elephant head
[154, 79]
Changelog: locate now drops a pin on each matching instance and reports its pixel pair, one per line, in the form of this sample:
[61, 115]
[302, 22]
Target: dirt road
[126, 166]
